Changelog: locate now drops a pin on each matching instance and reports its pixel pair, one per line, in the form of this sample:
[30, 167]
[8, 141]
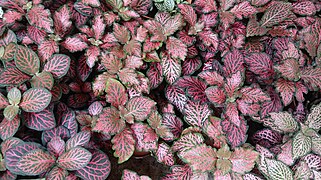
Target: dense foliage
[212, 89]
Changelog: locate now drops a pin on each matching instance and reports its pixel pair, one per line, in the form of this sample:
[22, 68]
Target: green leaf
[10, 112]
[14, 96]
[26, 60]
[302, 145]
[316, 145]
[277, 170]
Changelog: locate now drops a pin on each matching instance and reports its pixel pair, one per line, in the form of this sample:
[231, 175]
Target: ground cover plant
[160, 89]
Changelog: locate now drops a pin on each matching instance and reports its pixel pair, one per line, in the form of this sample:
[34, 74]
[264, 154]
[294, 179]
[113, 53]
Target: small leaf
[35, 162]
[216, 95]
[314, 119]
[14, 96]
[9, 52]
[56, 146]
[260, 64]
[26, 60]
[98, 167]
[278, 170]
[80, 139]
[95, 108]
[146, 138]
[302, 145]
[139, 107]
[132, 175]
[10, 112]
[233, 62]
[109, 122]
[165, 155]
[200, 158]
[3, 101]
[47, 48]
[212, 78]
[40, 121]
[115, 93]
[243, 9]
[58, 65]
[74, 159]
[57, 173]
[123, 145]
[121, 33]
[304, 8]
[42, 80]
[35, 100]
[286, 89]
[253, 95]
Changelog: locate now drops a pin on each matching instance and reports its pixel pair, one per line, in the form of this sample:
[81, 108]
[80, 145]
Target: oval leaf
[58, 65]
[26, 60]
[79, 139]
[40, 121]
[35, 100]
[74, 159]
[140, 107]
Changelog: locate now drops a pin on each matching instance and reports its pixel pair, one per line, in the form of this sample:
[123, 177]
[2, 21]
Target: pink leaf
[312, 76]
[243, 160]
[98, 167]
[155, 75]
[93, 3]
[74, 44]
[191, 65]
[155, 28]
[56, 146]
[176, 96]
[123, 145]
[83, 70]
[58, 65]
[212, 78]
[233, 62]
[195, 88]
[188, 13]
[172, 24]
[196, 113]
[3, 101]
[233, 84]
[146, 138]
[40, 17]
[235, 135]
[216, 95]
[121, 33]
[35, 162]
[80, 139]
[57, 173]
[209, 38]
[36, 34]
[164, 154]
[171, 68]
[7, 38]
[176, 48]
[11, 16]
[260, 64]
[35, 100]
[233, 114]
[247, 108]
[111, 63]
[92, 54]
[274, 105]
[47, 48]
[173, 123]
[206, 6]
[133, 47]
[95, 108]
[74, 159]
[12, 76]
[60, 131]
[286, 90]
[289, 69]
[139, 107]
[109, 122]
[243, 9]
[187, 142]
[179, 172]
[132, 175]
[254, 29]
[62, 20]
[304, 8]
[9, 127]
[200, 158]
[116, 93]
[276, 13]
[253, 95]
[40, 121]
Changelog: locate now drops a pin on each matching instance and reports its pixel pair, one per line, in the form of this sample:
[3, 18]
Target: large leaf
[200, 158]
[35, 100]
[301, 146]
[121, 33]
[3, 101]
[312, 76]
[196, 113]
[216, 95]
[74, 44]
[98, 167]
[212, 78]
[171, 68]
[58, 65]
[47, 48]
[109, 122]
[139, 107]
[115, 93]
[74, 159]
[9, 127]
[260, 64]
[40, 17]
[233, 62]
[9, 52]
[165, 155]
[276, 13]
[253, 95]
[278, 170]
[26, 60]
[243, 160]
[289, 69]
[12, 76]
[80, 139]
[40, 121]
[188, 141]
[57, 173]
[314, 120]
[36, 162]
[123, 145]
[284, 121]
[42, 80]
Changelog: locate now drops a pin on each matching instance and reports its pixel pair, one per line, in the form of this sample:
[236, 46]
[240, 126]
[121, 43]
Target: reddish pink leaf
[7, 38]
[210, 19]
[188, 13]
[9, 143]
[109, 122]
[233, 114]
[254, 28]
[215, 95]
[95, 108]
[40, 121]
[172, 24]
[74, 159]
[40, 17]
[92, 54]
[60, 131]
[155, 28]
[243, 9]
[276, 13]
[155, 75]
[58, 65]
[133, 62]
[142, 7]
[259, 2]
[36, 34]
[11, 16]
[35, 162]
[121, 33]
[171, 68]
[205, 6]
[26, 60]
[92, 3]
[260, 64]
[274, 105]
[132, 175]
[164, 154]
[312, 76]
[151, 45]
[57, 173]
[233, 62]
[47, 48]
[243, 160]
[128, 76]
[56, 146]
[247, 108]
[196, 113]
[116, 93]
[289, 69]
[3, 101]
[176, 48]
[188, 141]
[209, 38]
[111, 63]
[133, 47]
[98, 167]
[235, 135]
[253, 95]
[212, 78]
[123, 145]
[190, 65]
[286, 90]
[42, 80]
[179, 172]
[62, 20]
[195, 88]
[12, 76]
[233, 84]
[74, 44]
[304, 8]
[300, 90]
[173, 123]
[35, 100]
[9, 127]
[83, 70]
[139, 107]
